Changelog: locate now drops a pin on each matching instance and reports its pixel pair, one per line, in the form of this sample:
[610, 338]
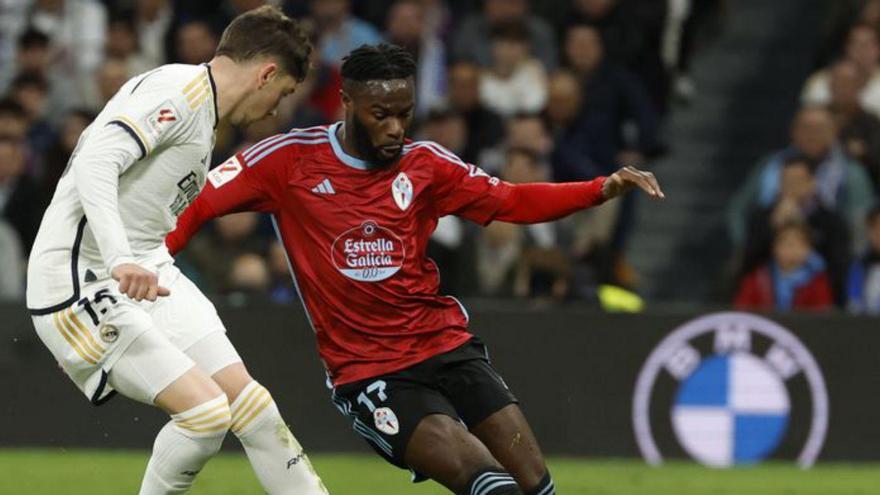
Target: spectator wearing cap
[485, 127]
[472, 41]
[515, 82]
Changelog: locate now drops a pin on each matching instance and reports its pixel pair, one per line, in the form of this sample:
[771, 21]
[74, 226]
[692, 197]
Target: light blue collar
[342, 155]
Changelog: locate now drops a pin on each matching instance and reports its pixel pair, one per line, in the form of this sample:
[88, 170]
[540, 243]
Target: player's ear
[267, 73]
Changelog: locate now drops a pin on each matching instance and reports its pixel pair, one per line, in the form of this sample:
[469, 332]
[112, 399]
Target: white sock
[276, 456]
[184, 445]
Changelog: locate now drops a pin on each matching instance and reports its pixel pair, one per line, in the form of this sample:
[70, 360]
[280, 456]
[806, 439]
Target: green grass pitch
[99, 472]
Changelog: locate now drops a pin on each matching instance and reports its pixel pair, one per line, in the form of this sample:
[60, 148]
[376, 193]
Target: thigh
[442, 449]
[186, 316]
[217, 357]
[149, 366]
[386, 410]
[509, 437]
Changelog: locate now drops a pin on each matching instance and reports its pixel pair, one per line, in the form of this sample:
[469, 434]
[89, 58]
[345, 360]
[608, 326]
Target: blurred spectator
[794, 280]
[523, 260]
[472, 42]
[527, 131]
[77, 30]
[863, 50]
[57, 156]
[13, 22]
[842, 16]
[859, 130]
[447, 128]
[11, 263]
[485, 127]
[842, 184]
[282, 290]
[406, 27]
[112, 75]
[231, 236]
[34, 56]
[122, 43]
[339, 31]
[21, 203]
[31, 91]
[195, 42]
[799, 202]
[13, 120]
[632, 31]
[573, 149]
[152, 20]
[248, 273]
[863, 295]
[515, 82]
[623, 122]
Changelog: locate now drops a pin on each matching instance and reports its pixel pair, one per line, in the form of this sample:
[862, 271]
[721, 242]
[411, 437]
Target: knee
[209, 420]
[250, 409]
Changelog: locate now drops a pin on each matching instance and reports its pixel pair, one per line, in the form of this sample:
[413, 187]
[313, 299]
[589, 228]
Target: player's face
[378, 113]
[263, 102]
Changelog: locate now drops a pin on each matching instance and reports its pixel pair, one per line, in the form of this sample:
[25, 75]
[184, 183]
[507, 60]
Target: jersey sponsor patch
[225, 172]
[161, 120]
[386, 421]
[402, 190]
[368, 253]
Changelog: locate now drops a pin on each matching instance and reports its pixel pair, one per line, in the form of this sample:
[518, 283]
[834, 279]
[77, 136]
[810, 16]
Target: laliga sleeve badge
[402, 191]
[225, 172]
[386, 421]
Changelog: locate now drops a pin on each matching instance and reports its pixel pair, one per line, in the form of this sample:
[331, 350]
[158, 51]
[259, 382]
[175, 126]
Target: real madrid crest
[402, 191]
[109, 333]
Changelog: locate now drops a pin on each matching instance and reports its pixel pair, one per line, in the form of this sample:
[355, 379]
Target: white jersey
[134, 170]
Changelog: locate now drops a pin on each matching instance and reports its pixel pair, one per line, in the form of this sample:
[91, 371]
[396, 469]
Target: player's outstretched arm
[545, 202]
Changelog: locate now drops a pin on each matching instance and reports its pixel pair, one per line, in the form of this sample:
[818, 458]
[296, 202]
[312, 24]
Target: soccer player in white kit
[103, 292]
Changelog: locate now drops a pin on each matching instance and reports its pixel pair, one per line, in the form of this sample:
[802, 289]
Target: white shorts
[93, 335]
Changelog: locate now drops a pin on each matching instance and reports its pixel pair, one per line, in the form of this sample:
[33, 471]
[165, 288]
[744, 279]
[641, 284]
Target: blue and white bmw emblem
[730, 389]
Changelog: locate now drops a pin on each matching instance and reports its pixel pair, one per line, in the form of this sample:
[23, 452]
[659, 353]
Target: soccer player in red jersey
[354, 204]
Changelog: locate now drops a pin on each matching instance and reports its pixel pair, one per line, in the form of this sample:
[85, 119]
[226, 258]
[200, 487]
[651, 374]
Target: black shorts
[386, 409]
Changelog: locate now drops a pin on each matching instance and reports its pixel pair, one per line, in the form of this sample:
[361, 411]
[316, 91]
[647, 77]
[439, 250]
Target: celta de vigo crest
[730, 389]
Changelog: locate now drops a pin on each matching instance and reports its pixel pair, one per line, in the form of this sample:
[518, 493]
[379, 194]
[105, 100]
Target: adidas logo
[324, 188]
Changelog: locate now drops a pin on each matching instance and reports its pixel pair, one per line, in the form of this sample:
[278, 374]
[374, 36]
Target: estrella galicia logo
[730, 389]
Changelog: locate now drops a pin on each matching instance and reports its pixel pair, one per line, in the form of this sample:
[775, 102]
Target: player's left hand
[627, 178]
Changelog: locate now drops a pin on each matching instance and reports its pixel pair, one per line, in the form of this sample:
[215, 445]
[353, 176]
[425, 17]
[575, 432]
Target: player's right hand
[138, 283]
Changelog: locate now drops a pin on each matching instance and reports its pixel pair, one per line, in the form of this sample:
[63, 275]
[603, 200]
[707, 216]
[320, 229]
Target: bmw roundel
[730, 389]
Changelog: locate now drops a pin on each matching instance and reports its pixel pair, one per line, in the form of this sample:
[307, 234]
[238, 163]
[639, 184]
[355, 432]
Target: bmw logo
[730, 389]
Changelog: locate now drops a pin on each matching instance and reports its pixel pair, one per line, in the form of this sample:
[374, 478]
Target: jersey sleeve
[463, 189]
[235, 185]
[154, 112]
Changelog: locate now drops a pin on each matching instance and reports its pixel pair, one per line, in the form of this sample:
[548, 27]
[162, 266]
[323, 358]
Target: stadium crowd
[557, 90]
[805, 223]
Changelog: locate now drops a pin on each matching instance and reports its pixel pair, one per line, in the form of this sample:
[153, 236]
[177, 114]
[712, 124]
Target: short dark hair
[378, 63]
[29, 79]
[31, 38]
[266, 31]
[513, 30]
[11, 108]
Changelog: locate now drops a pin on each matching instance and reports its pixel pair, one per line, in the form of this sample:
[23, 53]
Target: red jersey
[356, 236]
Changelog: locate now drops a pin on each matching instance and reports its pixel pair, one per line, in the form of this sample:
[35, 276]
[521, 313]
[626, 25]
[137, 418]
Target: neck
[346, 139]
[231, 85]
